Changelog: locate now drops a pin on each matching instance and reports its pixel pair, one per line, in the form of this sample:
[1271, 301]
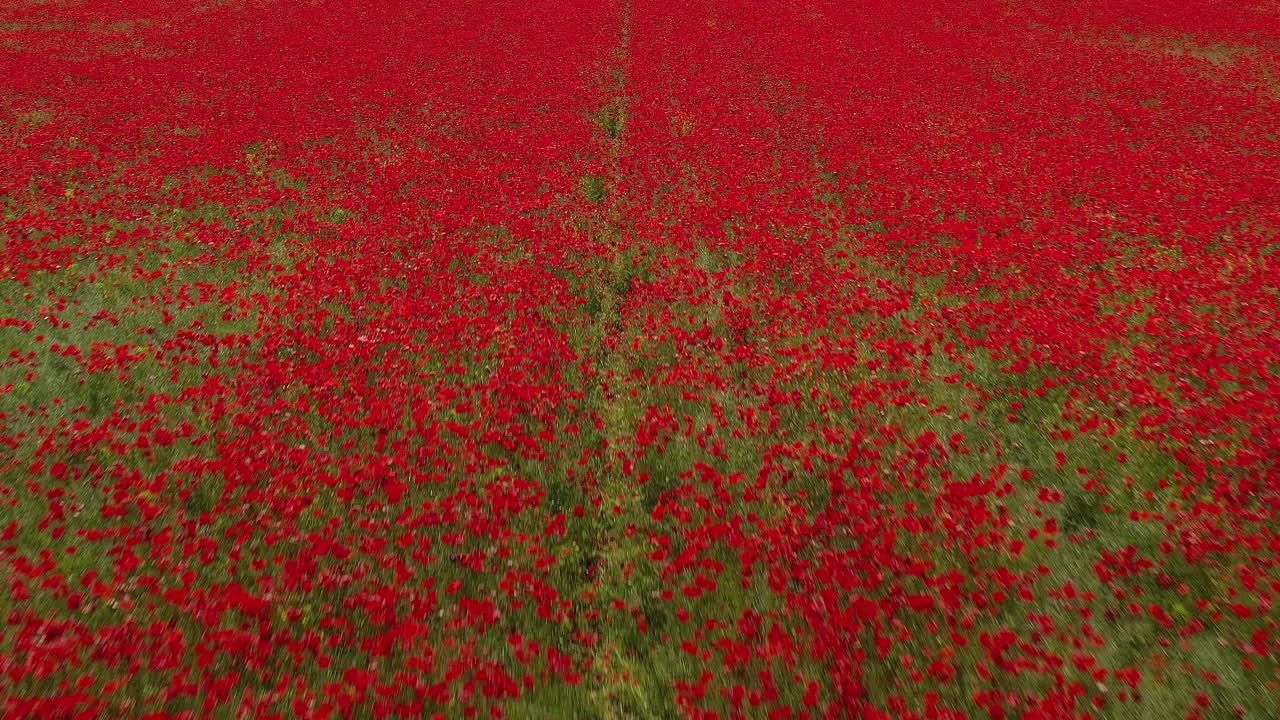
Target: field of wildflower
[640, 359]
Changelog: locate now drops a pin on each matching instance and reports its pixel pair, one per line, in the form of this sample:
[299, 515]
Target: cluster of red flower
[639, 359]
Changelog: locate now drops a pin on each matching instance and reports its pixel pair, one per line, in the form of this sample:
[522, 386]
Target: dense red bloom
[646, 358]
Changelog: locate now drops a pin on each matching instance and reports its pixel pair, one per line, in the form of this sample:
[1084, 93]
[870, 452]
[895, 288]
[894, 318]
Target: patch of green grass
[594, 189]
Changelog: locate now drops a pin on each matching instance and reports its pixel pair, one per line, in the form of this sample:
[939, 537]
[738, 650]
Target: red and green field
[640, 359]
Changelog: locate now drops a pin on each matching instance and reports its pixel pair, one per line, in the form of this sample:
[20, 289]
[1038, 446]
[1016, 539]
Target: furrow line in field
[607, 401]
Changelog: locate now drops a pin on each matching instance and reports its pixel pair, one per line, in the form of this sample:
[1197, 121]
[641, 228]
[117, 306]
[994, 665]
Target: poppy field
[640, 359]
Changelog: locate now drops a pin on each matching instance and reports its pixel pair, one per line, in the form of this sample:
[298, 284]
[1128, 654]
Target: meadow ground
[639, 359]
